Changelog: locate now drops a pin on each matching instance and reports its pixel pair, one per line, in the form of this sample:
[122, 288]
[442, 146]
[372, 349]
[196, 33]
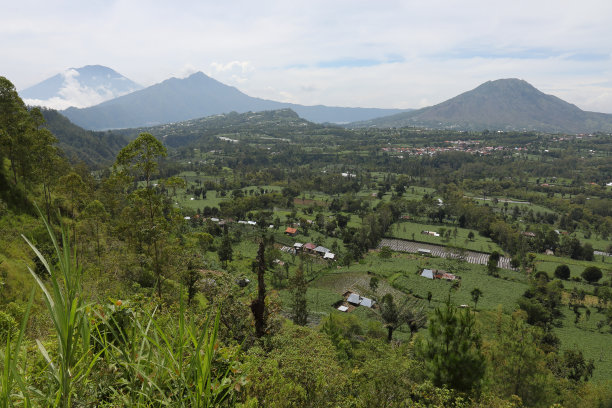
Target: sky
[376, 53]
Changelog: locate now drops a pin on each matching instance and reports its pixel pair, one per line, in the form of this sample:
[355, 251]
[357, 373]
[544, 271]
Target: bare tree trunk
[389, 333]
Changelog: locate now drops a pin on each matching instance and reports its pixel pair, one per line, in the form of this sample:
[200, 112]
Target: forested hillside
[95, 149]
[260, 260]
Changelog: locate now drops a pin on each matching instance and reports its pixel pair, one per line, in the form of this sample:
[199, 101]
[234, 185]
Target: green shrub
[562, 272]
[385, 252]
[592, 274]
[8, 326]
[515, 262]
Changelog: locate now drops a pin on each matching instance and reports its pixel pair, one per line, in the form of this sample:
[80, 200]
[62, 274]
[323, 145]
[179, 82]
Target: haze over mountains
[198, 96]
[79, 87]
[504, 104]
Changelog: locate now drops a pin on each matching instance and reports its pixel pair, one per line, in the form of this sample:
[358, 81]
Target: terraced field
[478, 258]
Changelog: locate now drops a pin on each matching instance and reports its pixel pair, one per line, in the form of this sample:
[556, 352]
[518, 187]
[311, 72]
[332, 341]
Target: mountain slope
[96, 149]
[198, 96]
[282, 124]
[504, 104]
[80, 87]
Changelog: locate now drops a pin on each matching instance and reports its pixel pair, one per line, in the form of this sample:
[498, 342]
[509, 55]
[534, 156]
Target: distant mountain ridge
[503, 104]
[197, 96]
[80, 87]
[96, 149]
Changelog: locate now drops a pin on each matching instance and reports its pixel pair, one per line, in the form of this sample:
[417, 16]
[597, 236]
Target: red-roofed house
[292, 232]
[309, 247]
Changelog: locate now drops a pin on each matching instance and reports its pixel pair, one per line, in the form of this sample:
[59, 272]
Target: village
[467, 146]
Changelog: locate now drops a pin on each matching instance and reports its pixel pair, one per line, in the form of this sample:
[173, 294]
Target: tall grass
[66, 307]
[166, 365]
[9, 359]
[139, 359]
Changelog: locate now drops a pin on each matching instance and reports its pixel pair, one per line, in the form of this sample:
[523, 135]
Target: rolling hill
[504, 104]
[198, 96]
[278, 124]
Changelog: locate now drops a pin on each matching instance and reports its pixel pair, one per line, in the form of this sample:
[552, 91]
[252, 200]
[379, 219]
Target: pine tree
[492, 263]
[258, 306]
[299, 304]
[225, 250]
[452, 352]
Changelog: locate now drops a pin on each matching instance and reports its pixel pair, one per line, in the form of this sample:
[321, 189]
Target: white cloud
[74, 94]
[53, 103]
[233, 66]
[233, 72]
[186, 70]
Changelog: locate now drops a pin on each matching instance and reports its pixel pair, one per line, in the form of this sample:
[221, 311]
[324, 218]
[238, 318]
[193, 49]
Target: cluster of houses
[439, 274]
[456, 146]
[307, 248]
[310, 248]
[298, 247]
[353, 300]
[222, 221]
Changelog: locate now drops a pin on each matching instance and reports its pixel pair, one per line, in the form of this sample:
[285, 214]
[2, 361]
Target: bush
[592, 274]
[587, 252]
[385, 252]
[8, 326]
[515, 262]
[562, 272]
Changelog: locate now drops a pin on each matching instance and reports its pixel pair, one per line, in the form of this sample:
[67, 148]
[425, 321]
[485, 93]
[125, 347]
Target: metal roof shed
[367, 302]
[427, 273]
[354, 299]
[329, 255]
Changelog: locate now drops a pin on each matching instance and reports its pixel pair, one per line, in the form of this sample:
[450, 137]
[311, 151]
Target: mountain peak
[504, 104]
[197, 96]
[81, 87]
[95, 69]
[516, 81]
[507, 83]
[198, 74]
